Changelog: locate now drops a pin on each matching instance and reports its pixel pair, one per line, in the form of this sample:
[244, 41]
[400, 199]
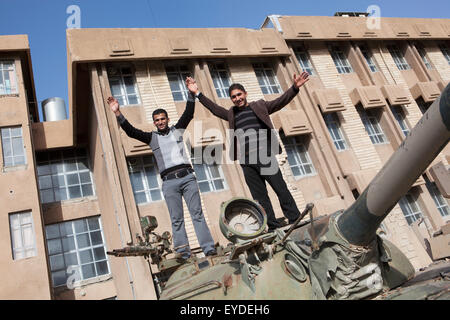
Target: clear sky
[45, 22]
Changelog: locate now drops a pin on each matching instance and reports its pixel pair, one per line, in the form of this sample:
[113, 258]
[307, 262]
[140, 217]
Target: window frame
[16, 250]
[405, 205]
[445, 51]
[264, 69]
[440, 202]
[371, 124]
[398, 57]
[399, 114]
[305, 63]
[297, 143]
[124, 96]
[76, 250]
[55, 164]
[181, 76]
[209, 176]
[141, 166]
[222, 89]
[337, 135]
[423, 106]
[10, 137]
[12, 71]
[423, 55]
[340, 60]
[367, 54]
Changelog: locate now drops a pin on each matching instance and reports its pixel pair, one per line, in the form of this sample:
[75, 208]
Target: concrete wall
[19, 192]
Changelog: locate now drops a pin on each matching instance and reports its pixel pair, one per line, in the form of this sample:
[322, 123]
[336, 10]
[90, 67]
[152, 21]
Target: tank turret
[338, 256]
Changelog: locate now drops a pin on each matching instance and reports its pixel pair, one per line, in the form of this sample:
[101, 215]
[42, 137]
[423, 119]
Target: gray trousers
[186, 187]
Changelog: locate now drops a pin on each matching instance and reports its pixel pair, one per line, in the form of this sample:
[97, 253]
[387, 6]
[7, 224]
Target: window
[123, 85]
[445, 51]
[368, 56]
[76, 246]
[423, 106]
[334, 127]
[303, 60]
[410, 208]
[399, 115]
[23, 238]
[209, 176]
[440, 202]
[340, 60]
[145, 179]
[372, 126]
[8, 82]
[177, 74]
[13, 148]
[64, 175]
[398, 57]
[298, 157]
[423, 55]
[267, 80]
[221, 78]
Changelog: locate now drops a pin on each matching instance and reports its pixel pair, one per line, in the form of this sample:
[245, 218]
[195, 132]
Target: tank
[337, 256]
[54, 109]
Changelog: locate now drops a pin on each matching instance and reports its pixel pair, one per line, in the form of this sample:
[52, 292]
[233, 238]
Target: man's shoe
[282, 222]
[211, 253]
[276, 226]
[180, 257]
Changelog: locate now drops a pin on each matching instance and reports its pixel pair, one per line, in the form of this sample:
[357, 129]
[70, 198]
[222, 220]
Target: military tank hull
[304, 267]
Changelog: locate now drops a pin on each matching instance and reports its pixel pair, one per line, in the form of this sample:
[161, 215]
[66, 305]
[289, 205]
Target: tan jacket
[262, 109]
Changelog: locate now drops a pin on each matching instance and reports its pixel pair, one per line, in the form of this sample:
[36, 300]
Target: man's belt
[177, 174]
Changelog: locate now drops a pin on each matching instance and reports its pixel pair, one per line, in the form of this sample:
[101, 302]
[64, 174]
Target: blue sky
[44, 21]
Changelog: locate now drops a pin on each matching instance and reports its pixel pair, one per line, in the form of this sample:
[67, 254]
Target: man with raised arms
[176, 172]
[254, 143]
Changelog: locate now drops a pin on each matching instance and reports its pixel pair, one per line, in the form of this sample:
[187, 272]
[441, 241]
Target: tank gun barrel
[360, 221]
[132, 251]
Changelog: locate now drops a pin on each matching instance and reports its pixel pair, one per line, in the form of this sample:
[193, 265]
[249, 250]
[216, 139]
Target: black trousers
[256, 181]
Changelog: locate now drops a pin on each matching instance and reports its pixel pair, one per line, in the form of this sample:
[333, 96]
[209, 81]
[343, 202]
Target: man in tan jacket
[253, 143]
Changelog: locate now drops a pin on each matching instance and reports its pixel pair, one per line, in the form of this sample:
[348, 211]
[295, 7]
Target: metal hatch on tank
[242, 219]
[337, 256]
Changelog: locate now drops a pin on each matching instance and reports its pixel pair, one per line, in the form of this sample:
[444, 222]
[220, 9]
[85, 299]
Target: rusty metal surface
[439, 290]
[436, 271]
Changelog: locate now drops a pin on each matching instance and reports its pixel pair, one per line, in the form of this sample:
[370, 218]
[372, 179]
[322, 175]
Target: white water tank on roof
[54, 109]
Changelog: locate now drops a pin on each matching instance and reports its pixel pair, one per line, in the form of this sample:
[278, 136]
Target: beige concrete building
[75, 188]
[24, 253]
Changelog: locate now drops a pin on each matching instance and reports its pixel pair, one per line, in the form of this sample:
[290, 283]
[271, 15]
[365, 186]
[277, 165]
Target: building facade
[76, 188]
[24, 253]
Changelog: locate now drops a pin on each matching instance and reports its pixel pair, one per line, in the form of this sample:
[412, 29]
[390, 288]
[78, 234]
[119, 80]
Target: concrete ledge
[52, 134]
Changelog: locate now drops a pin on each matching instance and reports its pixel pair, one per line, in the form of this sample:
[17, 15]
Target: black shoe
[282, 222]
[272, 227]
[211, 253]
[181, 258]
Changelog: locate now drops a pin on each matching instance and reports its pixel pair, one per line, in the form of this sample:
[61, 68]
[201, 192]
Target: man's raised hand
[191, 85]
[114, 105]
[301, 79]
